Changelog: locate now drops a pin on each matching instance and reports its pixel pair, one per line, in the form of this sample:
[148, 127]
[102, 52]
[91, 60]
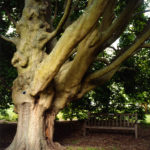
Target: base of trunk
[44, 146]
[31, 128]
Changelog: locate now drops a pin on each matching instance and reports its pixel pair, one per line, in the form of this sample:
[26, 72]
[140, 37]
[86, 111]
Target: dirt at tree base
[109, 141]
[69, 134]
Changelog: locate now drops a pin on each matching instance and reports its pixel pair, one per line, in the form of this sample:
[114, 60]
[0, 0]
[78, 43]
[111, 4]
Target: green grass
[89, 148]
[92, 148]
[83, 148]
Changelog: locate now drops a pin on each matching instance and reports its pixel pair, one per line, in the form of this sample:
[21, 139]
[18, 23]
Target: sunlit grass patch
[83, 148]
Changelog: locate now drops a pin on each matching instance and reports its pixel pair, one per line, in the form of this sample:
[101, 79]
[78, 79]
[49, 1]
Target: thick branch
[71, 37]
[119, 24]
[97, 82]
[89, 2]
[113, 30]
[92, 79]
[89, 47]
[12, 40]
[81, 62]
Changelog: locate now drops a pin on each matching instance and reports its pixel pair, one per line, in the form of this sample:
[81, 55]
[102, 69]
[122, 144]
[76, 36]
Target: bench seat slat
[109, 127]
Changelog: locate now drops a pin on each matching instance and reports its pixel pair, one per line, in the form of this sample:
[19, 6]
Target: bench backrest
[112, 120]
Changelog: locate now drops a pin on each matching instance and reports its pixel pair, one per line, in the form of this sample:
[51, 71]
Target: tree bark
[31, 128]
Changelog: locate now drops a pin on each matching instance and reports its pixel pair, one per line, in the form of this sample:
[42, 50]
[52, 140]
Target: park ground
[69, 134]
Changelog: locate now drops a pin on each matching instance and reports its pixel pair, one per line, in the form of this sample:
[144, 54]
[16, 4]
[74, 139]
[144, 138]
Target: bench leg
[84, 131]
[136, 131]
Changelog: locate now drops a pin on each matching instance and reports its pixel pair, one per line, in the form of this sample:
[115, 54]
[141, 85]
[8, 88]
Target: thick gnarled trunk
[31, 129]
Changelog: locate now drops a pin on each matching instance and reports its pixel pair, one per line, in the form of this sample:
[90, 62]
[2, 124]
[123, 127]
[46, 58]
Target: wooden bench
[111, 121]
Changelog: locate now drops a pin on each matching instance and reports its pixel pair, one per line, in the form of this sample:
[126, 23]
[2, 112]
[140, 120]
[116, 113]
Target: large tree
[53, 70]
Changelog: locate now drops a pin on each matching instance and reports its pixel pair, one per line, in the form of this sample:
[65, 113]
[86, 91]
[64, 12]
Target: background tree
[53, 68]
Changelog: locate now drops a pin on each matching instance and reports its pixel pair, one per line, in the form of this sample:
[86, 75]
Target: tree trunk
[31, 128]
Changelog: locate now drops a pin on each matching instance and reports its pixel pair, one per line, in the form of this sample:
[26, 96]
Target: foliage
[8, 114]
[147, 119]
[107, 99]
[7, 74]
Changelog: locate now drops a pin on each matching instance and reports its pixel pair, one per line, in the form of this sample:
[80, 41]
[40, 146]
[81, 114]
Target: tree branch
[81, 62]
[141, 12]
[146, 45]
[12, 40]
[108, 16]
[113, 48]
[69, 40]
[119, 24]
[102, 59]
[63, 19]
[9, 16]
[89, 2]
[126, 68]
[74, 8]
[56, 9]
[86, 87]
[93, 78]
[88, 48]
[126, 54]
[111, 34]
[55, 12]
